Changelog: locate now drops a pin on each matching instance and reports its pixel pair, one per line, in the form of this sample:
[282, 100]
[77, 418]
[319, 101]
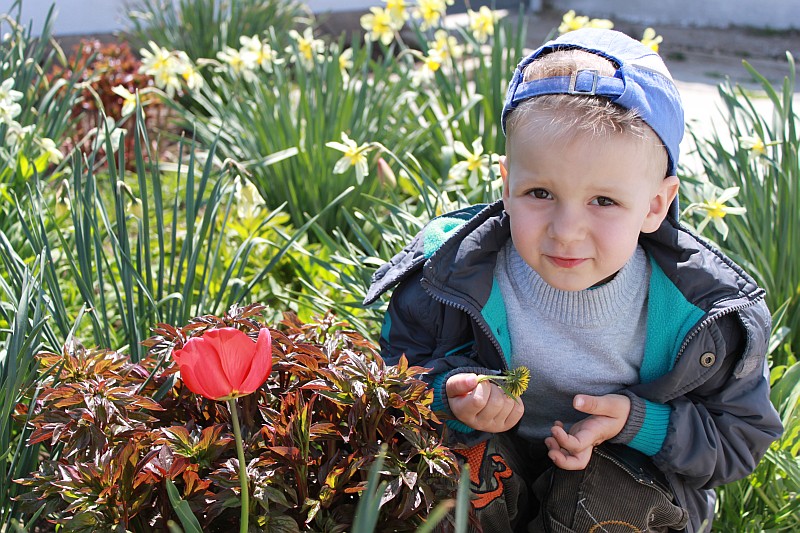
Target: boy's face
[577, 206]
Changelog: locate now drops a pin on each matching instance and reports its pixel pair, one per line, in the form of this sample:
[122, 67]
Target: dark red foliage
[103, 67]
[116, 431]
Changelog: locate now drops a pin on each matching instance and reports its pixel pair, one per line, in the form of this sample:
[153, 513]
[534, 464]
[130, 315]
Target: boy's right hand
[482, 406]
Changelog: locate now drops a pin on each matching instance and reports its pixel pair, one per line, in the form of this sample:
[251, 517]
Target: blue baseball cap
[641, 83]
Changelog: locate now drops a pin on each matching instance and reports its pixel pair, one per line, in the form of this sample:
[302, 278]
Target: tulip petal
[201, 369]
[236, 351]
[261, 363]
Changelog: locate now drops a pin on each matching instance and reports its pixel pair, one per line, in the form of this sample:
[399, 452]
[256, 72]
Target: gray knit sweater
[587, 342]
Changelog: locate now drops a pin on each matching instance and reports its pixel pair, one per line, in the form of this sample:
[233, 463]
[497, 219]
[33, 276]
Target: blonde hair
[564, 116]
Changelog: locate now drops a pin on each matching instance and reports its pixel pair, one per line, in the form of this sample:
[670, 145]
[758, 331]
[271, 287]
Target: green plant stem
[769, 503]
[243, 481]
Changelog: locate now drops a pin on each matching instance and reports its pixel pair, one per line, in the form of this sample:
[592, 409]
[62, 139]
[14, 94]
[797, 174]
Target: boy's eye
[541, 194]
[604, 201]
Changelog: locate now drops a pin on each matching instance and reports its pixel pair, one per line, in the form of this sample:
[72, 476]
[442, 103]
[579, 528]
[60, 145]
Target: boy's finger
[460, 384]
[595, 405]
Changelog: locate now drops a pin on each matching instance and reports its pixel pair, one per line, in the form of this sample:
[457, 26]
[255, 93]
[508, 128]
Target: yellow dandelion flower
[513, 382]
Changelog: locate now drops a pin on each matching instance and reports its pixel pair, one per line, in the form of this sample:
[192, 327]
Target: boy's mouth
[565, 262]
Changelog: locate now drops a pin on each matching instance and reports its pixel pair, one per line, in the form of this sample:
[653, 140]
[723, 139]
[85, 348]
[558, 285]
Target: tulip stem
[243, 479]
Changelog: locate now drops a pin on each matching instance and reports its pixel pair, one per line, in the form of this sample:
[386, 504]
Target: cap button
[708, 359]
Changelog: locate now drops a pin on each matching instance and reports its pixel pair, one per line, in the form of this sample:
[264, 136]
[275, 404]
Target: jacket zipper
[477, 318]
[708, 320]
[637, 474]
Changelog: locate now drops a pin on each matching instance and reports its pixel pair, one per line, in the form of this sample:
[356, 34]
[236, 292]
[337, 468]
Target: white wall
[105, 16]
[766, 14]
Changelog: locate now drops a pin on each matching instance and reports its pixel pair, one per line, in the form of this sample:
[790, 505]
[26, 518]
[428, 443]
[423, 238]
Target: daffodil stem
[243, 480]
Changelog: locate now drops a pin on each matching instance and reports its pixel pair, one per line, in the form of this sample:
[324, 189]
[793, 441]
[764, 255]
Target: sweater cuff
[646, 427]
[440, 402]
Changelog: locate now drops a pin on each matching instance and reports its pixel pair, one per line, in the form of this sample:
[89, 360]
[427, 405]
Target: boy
[646, 345]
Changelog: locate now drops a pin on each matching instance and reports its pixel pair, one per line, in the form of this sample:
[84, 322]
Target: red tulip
[225, 363]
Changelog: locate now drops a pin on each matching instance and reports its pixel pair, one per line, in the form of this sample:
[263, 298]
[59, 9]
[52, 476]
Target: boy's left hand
[572, 451]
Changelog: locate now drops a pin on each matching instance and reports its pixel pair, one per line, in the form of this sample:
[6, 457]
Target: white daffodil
[163, 66]
[354, 156]
[9, 111]
[237, 63]
[128, 99]
[475, 164]
[9, 108]
[186, 69]
[248, 199]
[716, 209]
[258, 53]
[755, 146]
[346, 63]
[7, 92]
[110, 131]
[309, 49]
[48, 147]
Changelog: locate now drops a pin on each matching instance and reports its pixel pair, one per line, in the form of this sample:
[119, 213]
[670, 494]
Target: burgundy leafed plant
[116, 431]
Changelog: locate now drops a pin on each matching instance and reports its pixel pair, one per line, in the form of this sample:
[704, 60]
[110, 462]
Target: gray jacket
[704, 417]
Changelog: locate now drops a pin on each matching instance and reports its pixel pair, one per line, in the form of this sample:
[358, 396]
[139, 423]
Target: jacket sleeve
[433, 336]
[719, 431]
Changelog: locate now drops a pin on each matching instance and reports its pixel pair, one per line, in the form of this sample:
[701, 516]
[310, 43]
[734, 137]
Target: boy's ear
[504, 175]
[659, 204]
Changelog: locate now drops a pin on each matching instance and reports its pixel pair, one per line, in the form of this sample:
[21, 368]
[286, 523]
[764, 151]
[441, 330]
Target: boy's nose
[567, 225]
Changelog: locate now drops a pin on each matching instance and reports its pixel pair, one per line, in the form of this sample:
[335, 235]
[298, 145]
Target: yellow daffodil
[430, 12]
[481, 23]
[354, 156]
[397, 9]
[651, 40]
[604, 24]
[433, 60]
[380, 25]
[128, 99]
[716, 209]
[570, 22]
[446, 45]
